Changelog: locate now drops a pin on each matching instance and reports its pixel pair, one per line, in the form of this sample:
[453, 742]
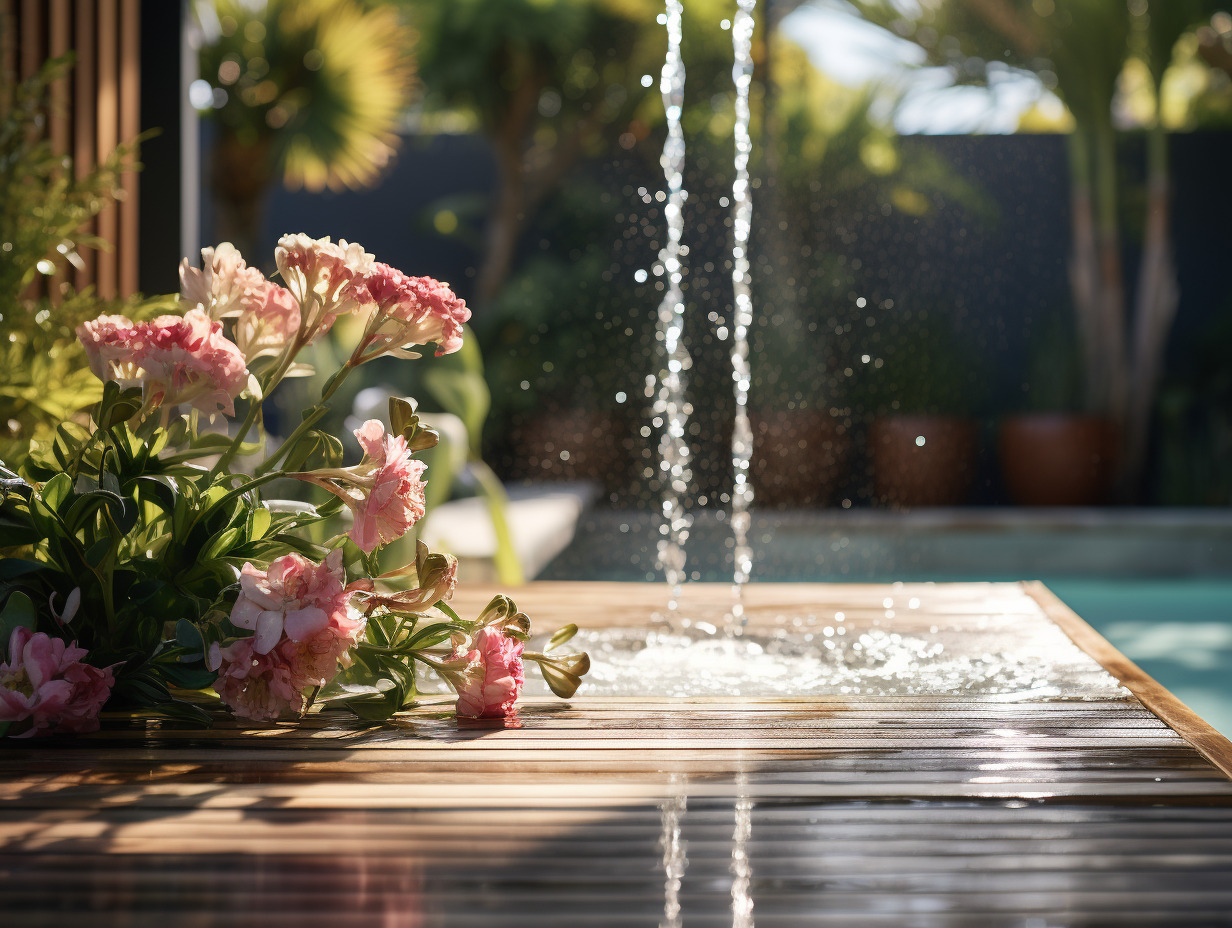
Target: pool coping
[1212, 745]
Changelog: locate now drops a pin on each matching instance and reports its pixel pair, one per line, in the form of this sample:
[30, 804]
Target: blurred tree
[1080, 48]
[309, 90]
[549, 81]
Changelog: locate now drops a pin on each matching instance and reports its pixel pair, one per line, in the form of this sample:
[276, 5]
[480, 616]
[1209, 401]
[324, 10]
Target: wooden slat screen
[95, 109]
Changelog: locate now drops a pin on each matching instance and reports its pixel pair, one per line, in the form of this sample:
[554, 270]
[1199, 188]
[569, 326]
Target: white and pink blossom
[321, 275]
[221, 284]
[294, 597]
[268, 322]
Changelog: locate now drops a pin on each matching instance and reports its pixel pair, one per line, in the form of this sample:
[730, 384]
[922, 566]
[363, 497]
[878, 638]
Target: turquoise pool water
[1178, 631]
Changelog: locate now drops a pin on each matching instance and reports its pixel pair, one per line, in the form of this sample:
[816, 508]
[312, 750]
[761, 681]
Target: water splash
[742, 314]
[830, 655]
[671, 407]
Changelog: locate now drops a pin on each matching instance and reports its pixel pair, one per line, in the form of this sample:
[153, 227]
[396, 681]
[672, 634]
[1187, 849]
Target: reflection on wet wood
[943, 810]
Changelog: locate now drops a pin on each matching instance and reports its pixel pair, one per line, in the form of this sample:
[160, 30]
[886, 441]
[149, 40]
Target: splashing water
[671, 406]
[742, 218]
[829, 654]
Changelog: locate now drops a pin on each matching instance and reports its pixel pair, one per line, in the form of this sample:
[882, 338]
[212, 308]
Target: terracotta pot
[800, 457]
[573, 445]
[1057, 459]
[922, 460]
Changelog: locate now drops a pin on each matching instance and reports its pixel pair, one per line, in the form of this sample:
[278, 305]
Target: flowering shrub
[142, 573]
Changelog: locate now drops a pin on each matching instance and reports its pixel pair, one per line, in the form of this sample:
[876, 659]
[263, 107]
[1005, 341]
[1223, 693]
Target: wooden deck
[944, 810]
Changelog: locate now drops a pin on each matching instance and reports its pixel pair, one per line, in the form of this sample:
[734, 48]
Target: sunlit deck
[842, 810]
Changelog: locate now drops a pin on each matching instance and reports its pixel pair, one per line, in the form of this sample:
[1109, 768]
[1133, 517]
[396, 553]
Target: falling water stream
[742, 313]
[671, 406]
[803, 653]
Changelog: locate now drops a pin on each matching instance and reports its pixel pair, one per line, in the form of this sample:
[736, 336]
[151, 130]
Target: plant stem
[309, 421]
[254, 408]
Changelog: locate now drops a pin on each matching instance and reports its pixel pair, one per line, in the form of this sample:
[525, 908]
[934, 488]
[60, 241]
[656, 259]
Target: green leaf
[56, 490]
[98, 552]
[188, 636]
[259, 522]
[18, 612]
[220, 544]
[560, 636]
[13, 567]
[188, 678]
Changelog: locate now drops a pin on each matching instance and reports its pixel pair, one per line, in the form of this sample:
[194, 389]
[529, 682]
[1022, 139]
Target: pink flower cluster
[304, 627]
[409, 311]
[320, 274]
[385, 491]
[46, 682]
[178, 359]
[493, 679]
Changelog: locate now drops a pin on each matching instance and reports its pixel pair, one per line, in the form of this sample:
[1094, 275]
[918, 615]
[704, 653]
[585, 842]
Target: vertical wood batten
[130, 127]
[83, 122]
[8, 49]
[59, 32]
[31, 37]
[107, 139]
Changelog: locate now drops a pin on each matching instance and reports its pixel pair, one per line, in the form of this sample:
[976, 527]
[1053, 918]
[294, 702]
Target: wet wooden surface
[842, 810]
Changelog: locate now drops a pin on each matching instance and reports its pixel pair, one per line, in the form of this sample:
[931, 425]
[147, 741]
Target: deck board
[946, 810]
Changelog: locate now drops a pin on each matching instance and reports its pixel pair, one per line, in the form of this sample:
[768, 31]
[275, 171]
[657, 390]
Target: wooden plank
[1180, 718]
[59, 28]
[939, 810]
[107, 128]
[32, 38]
[84, 78]
[129, 128]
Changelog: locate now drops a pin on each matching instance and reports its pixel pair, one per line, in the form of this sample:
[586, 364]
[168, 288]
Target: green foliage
[43, 208]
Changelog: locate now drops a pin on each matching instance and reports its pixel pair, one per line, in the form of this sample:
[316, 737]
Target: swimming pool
[1157, 584]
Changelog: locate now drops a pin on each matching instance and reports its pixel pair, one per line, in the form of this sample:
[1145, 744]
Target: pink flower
[46, 682]
[221, 284]
[384, 491]
[303, 626]
[110, 349]
[256, 686]
[188, 360]
[408, 311]
[493, 681]
[313, 661]
[269, 320]
[178, 359]
[294, 596]
[319, 274]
